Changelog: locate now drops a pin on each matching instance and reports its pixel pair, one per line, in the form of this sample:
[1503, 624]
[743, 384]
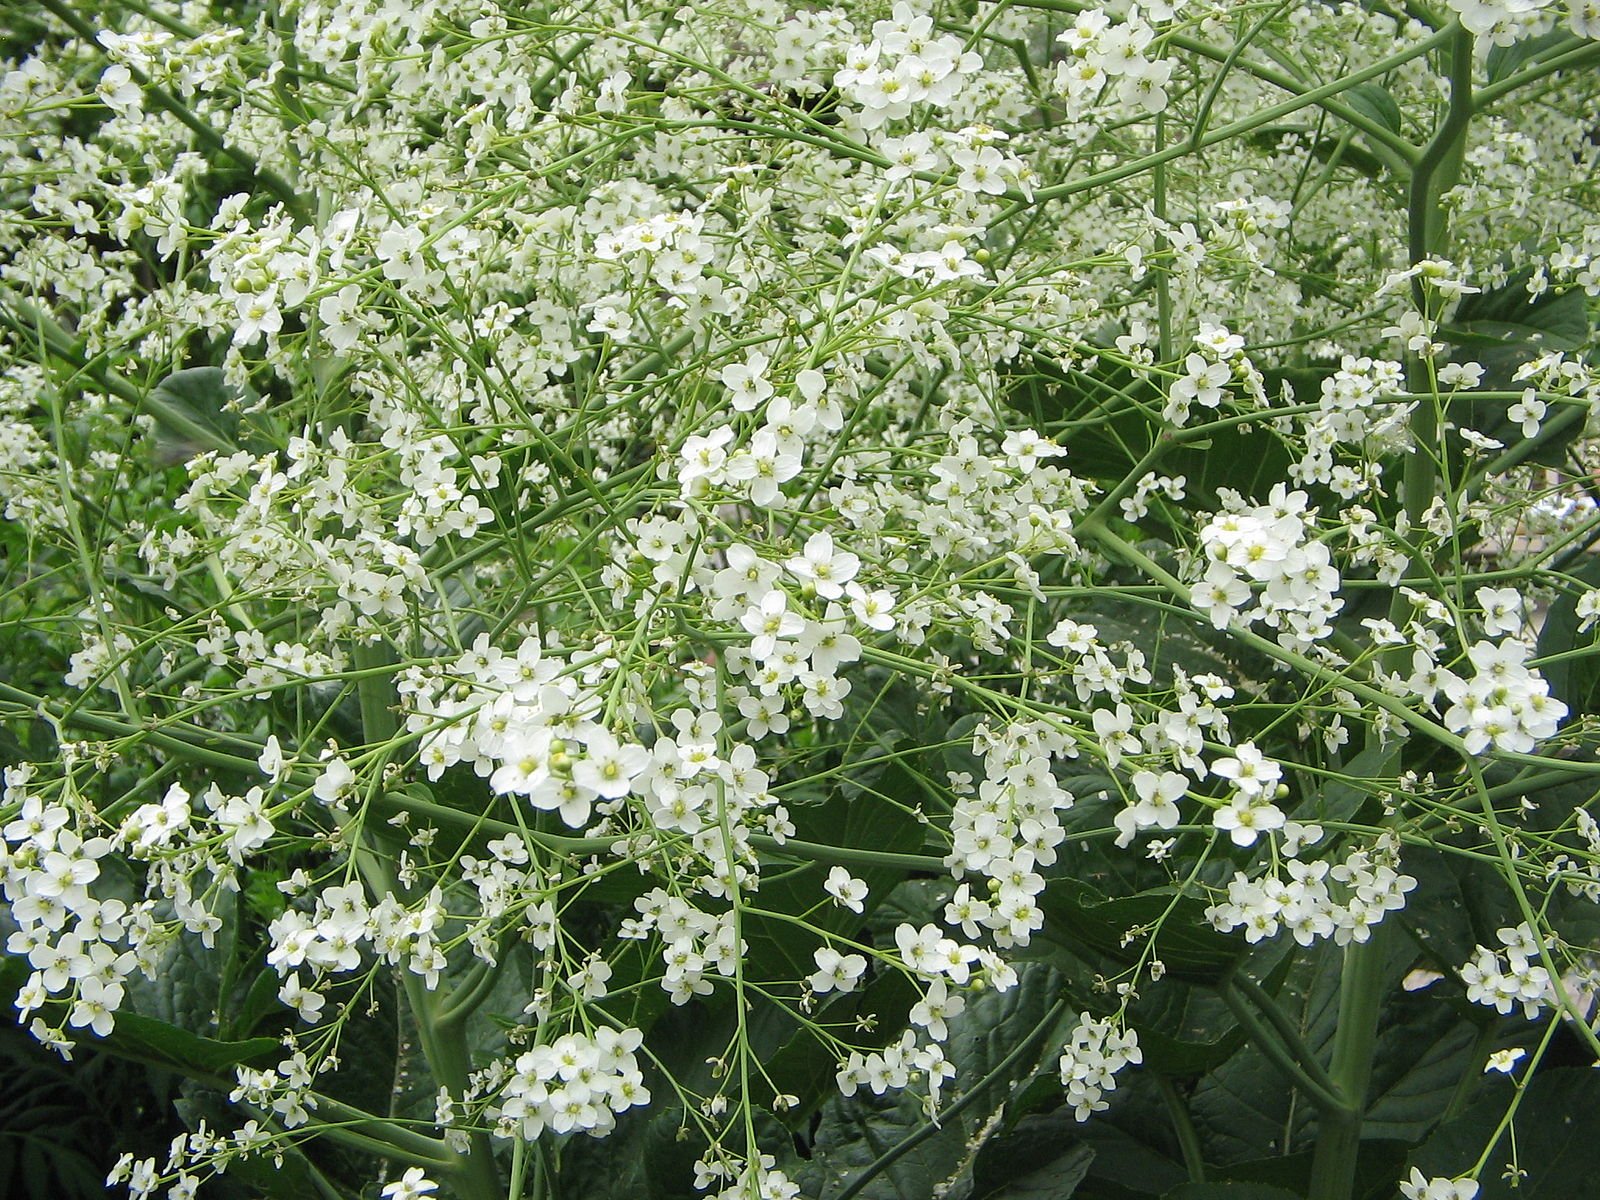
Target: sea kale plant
[952, 599]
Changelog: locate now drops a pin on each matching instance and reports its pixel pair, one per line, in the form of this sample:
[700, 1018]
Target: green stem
[1279, 1020]
[1194, 1159]
[1361, 990]
[1163, 276]
[1426, 222]
[1328, 1101]
[519, 1163]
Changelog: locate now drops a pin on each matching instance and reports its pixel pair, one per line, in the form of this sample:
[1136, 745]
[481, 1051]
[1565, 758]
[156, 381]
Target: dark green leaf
[853, 1134]
[191, 412]
[1229, 1191]
[1028, 1164]
[1502, 61]
[151, 1041]
[1507, 315]
[1374, 100]
[1339, 800]
[1555, 1139]
[1184, 1029]
[1574, 680]
[1186, 942]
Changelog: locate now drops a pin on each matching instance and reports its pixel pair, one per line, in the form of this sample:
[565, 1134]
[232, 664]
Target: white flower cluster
[1009, 826]
[577, 1082]
[1264, 563]
[1217, 362]
[74, 942]
[1350, 411]
[1504, 703]
[331, 939]
[1095, 670]
[693, 942]
[1504, 22]
[1100, 53]
[896, 1066]
[1306, 906]
[1576, 262]
[758, 1179]
[902, 66]
[530, 722]
[1510, 975]
[285, 1090]
[1097, 1050]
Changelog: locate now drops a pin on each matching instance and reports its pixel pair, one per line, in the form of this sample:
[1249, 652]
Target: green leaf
[1028, 1164]
[1503, 328]
[1186, 942]
[191, 412]
[259, 1003]
[1574, 680]
[1184, 1029]
[854, 1133]
[1132, 1156]
[1555, 1139]
[1503, 61]
[1373, 100]
[1425, 1048]
[1229, 1191]
[1246, 1106]
[1338, 800]
[1507, 316]
[1458, 904]
[1377, 1168]
[148, 1040]
[783, 950]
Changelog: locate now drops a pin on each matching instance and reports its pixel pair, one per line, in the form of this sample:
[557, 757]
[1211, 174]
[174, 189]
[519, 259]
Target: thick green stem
[1361, 989]
[1292, 1038]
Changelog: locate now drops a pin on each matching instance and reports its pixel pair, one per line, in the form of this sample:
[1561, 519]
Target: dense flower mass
[788, 585]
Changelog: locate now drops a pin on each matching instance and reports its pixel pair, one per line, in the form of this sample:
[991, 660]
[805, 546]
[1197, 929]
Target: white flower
[1528, 412]
[835, 971]
[1419, 1187]
[765, 465]
[1251, 773]
[747, 381]
[769, 621]
[1245, 817]
[826, 569]
[118, 91]
[609, 767]
[413, 1185]
[873, 609]
[847, 891]
[1502, 610]
[1505, 1061]
[1156, 806]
